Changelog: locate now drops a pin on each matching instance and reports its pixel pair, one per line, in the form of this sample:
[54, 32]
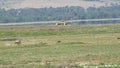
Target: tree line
[59, 13]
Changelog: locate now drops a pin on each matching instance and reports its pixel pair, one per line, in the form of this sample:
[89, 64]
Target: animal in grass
[118, 37]
[18, 42]
[62, 23]
[59, 41]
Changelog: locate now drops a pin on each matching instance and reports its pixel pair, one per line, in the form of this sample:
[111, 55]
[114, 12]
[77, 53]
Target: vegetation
[60, 13]
[60, 46]
[91, 0]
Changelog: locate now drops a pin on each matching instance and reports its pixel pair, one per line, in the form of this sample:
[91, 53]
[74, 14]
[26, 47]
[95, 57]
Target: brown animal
[58, 41]
[118, 38]
[18, 42]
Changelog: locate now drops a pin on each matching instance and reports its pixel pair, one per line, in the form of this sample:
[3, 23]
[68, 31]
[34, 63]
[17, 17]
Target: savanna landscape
[59, 33]
[60, 46]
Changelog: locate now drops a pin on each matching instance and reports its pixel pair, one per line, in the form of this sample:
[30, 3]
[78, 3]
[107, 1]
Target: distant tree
[59, 13]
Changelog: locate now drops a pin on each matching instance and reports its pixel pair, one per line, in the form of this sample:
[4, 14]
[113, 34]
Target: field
[60, 46]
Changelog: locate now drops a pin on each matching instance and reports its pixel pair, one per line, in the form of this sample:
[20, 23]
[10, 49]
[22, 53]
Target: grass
[22, 31]
[79, 46]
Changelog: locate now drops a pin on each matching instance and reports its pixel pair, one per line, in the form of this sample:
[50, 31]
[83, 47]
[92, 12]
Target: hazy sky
[55, 3]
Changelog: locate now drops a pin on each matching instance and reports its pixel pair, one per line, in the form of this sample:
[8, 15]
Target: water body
[70, 22]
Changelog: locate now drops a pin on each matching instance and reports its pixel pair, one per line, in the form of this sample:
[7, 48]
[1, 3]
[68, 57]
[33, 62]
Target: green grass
[22, 31]
[79, 46]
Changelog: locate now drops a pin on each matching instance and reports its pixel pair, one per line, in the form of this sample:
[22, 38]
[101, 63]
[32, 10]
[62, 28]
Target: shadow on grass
[72, 43]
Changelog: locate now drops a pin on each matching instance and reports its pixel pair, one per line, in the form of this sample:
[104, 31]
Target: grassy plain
[59, 46]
